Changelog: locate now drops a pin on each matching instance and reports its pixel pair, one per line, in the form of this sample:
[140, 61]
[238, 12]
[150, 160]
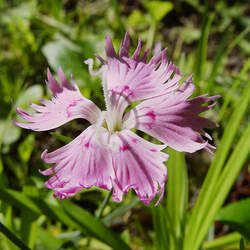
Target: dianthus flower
[139, 95]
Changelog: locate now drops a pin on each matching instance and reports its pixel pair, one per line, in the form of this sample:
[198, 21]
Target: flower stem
[12, 237]
[104, 203]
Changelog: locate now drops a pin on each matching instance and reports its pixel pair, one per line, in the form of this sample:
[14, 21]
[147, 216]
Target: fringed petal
[173, 119]
[141, 80]
[84, 162]
[138, 165]
[97, 158]
[66, 104]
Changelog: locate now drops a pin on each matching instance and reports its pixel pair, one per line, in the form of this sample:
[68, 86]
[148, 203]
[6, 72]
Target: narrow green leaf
[20, 200]
[120, 211]
[217, 61]
[28, 228]
[104, 204]
[223, 52]
[94, 226]
[7, 214]
[177, 194]
[230, 93]
[237, 216]
[12, 237]
[229, 240]
[242, 245]
[202, 47]
[161, 233]
[56, 212]
[224, 184]
[62, 138]
[208, 191]
[73, 217]
[237, 39]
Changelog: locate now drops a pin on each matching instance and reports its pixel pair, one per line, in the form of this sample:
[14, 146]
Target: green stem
[104, 204]
[12, 237]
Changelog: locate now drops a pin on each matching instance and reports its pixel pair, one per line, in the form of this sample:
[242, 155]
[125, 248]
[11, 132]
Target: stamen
[90, 63]
[112, 146]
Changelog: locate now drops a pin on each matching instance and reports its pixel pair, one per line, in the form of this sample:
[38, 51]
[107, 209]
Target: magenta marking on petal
[134, 140]
[127, 90]
[87, 144]
[124, 148]
[70, 106]
[73, 104]
[151, 114]
[153, 150]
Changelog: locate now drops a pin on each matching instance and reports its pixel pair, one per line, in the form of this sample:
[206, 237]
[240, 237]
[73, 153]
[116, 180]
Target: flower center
[112, 121]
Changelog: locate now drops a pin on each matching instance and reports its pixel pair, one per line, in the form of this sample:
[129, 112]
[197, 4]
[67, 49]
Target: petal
[96, 157]
[109, 48]
[138, 164]
[66, 104]
[124, 50]
[173, 119]
[135, 78]
[82, 163]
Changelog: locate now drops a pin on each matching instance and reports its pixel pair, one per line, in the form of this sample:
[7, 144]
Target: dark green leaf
[94, 226]
[237, 216]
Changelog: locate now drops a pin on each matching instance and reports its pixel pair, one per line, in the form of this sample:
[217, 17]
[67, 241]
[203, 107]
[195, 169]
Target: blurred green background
[209, 39]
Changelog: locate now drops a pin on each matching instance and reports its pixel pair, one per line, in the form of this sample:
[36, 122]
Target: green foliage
[237, 216]
[61, 53]
[158, 9]
[207, 40]
[92, 225]
[26, 147]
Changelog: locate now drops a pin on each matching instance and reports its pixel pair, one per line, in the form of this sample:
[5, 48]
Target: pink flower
[107, 154]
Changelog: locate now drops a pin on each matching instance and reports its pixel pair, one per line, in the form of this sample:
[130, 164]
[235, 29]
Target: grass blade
[161, 237]
[62, 138]
[222, 53]
[237, 40]
[19, 200]
[202, 47]
[120, 211]
[95, 227]
[28, 228]
[217, 62]
[230, 93]
[13, 237]
[208, 190]
[230, 240]
[177, 195]
[224, 184]
[71, 215]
